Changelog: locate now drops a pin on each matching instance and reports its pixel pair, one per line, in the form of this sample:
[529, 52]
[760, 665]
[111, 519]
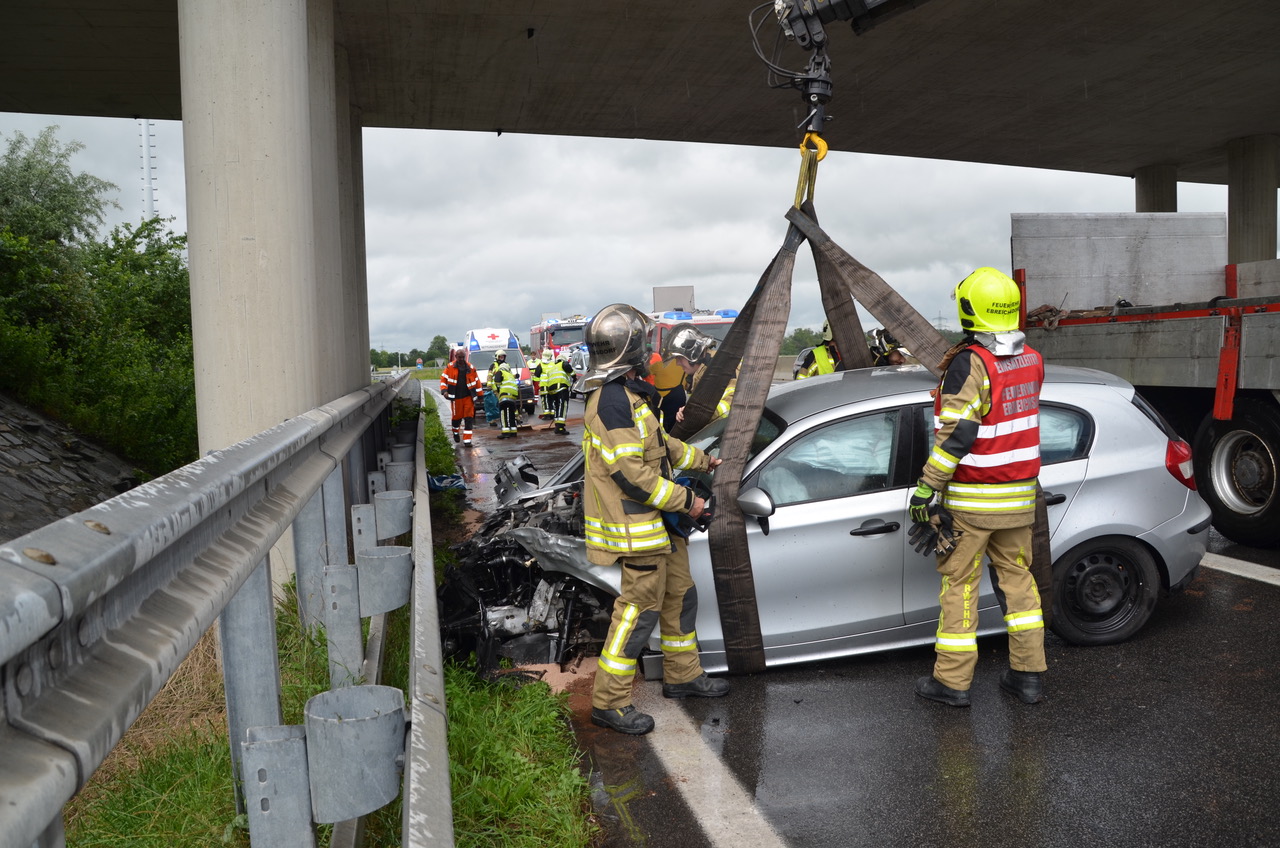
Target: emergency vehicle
[556, 333]
[483, 345]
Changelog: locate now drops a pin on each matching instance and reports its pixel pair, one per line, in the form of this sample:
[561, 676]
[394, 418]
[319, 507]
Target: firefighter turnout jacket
[986, 451]
[504, 382]
[630, 465]
[555, 376]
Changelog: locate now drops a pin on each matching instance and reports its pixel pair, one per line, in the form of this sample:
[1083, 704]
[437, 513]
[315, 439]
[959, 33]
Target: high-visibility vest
[823, 363]
[999, 472]
[554, 377]
[1008, 443]
[505, 382]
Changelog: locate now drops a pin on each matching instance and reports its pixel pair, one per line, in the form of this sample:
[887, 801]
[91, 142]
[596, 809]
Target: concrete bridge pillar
[1253, 165]
[247, 135]
[1155, 188]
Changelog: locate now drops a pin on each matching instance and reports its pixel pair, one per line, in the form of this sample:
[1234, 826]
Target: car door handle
[875, 529]
[1050, 498]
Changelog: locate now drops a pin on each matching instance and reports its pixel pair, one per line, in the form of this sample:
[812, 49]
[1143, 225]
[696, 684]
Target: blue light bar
[678, 316]
[727, 313]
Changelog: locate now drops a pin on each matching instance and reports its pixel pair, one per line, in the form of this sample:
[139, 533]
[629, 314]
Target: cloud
[479, 230]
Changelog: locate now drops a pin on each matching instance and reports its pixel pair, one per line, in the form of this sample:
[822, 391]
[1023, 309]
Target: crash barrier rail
[98, 609]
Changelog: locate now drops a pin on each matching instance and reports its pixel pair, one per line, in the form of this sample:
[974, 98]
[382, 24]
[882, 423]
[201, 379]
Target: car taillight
[1177, 458]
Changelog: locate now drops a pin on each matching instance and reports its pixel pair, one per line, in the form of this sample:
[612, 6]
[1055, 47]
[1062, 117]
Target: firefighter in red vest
[983, 465]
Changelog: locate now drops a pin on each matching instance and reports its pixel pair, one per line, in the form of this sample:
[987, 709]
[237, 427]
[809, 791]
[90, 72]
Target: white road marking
[1241, 568]
[726, 812]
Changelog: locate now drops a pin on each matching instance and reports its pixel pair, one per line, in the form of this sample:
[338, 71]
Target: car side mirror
[756, 501]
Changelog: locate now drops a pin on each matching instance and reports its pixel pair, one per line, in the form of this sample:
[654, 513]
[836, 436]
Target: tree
[438, 349]
[41, 197]
[800, 338]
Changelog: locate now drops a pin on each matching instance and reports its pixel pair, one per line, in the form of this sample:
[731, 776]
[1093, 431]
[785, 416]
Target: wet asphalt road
[1169, 739]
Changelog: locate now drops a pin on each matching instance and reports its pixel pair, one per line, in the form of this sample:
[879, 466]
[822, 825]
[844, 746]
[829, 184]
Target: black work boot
[929, 687]
[1026, 686]
[699, 687]
[626, 720]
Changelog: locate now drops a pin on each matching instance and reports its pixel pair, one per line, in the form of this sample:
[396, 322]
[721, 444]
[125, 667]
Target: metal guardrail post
[310, 556]
[250, 668]
[364, 523]
[342, 625]
[276, 790]
[335, 519]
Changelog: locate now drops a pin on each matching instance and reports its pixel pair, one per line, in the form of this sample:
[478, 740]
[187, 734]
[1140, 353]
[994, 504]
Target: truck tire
[1236, 474]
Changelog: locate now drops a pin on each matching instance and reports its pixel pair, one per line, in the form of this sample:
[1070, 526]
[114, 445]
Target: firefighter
[629, 483]
[692, 350]
[885, 349]
[537, 373]
[824, 358]
[503, 382]
[557, 377]
[984, 463]
[461, 385]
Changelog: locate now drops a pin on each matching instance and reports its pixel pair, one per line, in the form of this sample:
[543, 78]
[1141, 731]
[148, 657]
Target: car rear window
[1065, 434]
[1156, 418]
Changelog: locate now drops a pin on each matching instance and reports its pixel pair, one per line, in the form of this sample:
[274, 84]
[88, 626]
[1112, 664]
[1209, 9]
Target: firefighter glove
[937, 536]
[919, 505]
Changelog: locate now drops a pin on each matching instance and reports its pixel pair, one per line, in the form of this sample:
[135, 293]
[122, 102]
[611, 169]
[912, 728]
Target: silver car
[826, 490]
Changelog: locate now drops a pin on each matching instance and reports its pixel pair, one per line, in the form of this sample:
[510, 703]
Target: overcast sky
[477, 230]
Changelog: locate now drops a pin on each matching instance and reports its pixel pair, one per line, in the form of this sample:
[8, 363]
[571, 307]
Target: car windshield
[482, 360]
[708, 438]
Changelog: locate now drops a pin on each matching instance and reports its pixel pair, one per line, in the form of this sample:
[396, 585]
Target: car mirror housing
[756, 501]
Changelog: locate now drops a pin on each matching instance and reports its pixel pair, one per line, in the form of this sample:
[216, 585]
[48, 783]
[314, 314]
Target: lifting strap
[840, 308]
[754, 340]
[876, 296]
[753, 343]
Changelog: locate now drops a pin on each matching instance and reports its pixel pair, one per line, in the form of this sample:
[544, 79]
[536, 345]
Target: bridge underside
[1092, 86]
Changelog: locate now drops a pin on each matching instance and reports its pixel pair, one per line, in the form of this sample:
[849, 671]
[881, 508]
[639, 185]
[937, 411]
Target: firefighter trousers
[656, 589]
[956, 646]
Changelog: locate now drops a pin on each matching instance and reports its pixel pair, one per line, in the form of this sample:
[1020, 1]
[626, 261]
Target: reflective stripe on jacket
[630, 463]
[823, 363]
[986, 451]
[554, 378]
[504, 381]
[449, 383]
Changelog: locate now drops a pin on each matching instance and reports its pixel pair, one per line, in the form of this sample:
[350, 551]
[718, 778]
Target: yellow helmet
[987, 301]
[826, 331]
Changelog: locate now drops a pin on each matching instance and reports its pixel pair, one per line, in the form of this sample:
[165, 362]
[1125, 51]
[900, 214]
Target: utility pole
[146, 130]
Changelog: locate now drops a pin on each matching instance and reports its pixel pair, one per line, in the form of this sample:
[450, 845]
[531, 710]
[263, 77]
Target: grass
[513, 766]
[513, 762]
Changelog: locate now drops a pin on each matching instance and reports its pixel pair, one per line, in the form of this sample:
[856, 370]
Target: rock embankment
[47, 471]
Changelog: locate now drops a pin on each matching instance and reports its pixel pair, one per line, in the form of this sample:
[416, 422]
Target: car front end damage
[522, 589]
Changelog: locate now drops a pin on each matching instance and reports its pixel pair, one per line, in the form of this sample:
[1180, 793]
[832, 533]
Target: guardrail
[98, 609]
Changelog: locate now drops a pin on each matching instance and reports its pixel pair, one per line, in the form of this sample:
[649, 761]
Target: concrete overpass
[273, 94]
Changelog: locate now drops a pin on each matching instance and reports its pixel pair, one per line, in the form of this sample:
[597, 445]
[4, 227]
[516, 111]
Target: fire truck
[556, 333]
[1151, 297]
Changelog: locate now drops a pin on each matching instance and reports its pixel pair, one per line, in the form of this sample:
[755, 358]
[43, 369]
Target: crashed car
[825, 493]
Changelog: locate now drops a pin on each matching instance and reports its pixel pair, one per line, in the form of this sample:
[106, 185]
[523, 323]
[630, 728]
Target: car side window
[1065, 434]
[838, 460]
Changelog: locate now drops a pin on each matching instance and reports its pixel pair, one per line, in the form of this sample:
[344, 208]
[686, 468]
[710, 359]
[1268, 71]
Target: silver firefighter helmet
[617, 339]
[687, 341]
